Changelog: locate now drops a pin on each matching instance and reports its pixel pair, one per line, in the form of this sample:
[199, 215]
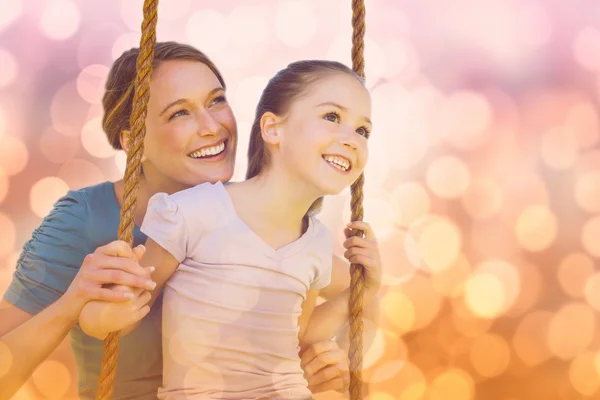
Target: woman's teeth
[338, 162]
[209, 151]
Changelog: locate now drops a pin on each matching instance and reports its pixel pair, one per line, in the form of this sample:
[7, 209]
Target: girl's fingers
[362, 226]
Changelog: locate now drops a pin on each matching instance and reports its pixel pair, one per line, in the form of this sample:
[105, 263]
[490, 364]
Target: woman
[68, 263]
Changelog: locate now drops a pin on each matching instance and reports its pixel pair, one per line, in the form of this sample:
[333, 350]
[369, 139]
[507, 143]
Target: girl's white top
[230, 311]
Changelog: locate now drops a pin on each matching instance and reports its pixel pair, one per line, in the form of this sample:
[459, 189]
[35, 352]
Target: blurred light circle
[68, 110]
[295, 23]
[559, 148]
[490, 355]
[482, 199]
[78, 174]
[589, 236]
[582, 120]
[583, 374]
[9, 12]
[124, 42]
[586, 48]
[587, 191]
[573, 273]
[60, 19]
[90, 83]
[571, 330]
[44, 193]
[8, 68]
[94, 139]
[53, 379]
[4, 185]
[9, 235]
[536, 228]
[13, 155]
[410, 202]
[201, 27]
[448, 177]
[526, 340]
[454, 384]
[57, 147]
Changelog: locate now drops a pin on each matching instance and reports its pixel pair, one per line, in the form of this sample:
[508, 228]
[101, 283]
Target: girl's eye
[178, 114]
[362, 131]
[332, 117]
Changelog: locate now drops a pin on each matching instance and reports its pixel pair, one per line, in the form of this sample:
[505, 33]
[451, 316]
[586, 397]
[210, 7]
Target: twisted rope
[132, 173]
[357, 278]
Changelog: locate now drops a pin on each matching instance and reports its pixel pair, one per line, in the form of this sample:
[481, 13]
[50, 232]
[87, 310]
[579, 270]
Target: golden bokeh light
[426, 301]
[6, 359]
[591, 290]
[400, 257]
[398, 310]
[9, 235]
[573, 273]
[4, 185]
[526, 340]
[13, 155]
[559, 148]
[53, 379]
[490, 355]
[440, 243]
[451, 281]
[485, 295]
[448, 177]
[589, 233]
[44, 193]
[57, 147]
[68, 110]
[587, 191]
[582, 120]
[482, 199]
[571, 330]
[465, 119]
[60, 19]
[78, 173]
[410, 202]
[94, 139]
[452, 384]
[583, 374]
[90, 83]
[536, 228]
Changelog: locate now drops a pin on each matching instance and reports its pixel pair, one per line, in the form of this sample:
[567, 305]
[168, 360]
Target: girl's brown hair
[282, 90]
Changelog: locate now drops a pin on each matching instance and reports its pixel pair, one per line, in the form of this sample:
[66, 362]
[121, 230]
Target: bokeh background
[483, 185]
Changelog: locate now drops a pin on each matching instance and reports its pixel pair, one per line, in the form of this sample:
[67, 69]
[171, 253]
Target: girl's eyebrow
[183, 100]
[330, 103]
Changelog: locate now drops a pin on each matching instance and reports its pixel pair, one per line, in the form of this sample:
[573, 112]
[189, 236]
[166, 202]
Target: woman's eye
[220, 99]
[178, 114]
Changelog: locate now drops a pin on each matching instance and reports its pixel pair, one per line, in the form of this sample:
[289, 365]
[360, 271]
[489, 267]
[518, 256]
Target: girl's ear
[269, 128]
[126, 143]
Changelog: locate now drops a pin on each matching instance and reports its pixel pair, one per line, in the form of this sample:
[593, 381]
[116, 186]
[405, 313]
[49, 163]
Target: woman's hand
[108, 274]
[325, 367]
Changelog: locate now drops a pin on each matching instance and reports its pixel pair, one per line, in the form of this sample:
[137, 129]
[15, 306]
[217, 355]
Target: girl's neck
[275, 198]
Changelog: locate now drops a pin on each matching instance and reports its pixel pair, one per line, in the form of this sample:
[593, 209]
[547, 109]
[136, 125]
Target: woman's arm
[22, 348]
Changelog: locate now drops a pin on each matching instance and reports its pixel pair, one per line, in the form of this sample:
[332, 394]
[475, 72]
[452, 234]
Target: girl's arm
[327, 320]
[99, 318]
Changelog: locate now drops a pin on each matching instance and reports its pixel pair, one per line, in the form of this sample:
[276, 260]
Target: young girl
[242, 264]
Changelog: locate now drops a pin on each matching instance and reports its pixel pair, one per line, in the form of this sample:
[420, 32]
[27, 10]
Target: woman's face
[191, 133]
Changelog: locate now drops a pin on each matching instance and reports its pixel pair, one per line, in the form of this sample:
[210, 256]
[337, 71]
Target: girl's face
[191, 133]
[323, 138]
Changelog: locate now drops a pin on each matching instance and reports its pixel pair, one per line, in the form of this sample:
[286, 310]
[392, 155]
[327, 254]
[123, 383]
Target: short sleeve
[52, 257]
[324, 241]
[164, 223]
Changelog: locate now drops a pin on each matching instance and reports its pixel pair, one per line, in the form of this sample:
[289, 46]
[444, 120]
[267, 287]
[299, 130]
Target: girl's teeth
[338, 162]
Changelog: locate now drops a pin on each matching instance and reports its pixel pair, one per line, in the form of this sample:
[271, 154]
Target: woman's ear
[126, 143]
[270, 129]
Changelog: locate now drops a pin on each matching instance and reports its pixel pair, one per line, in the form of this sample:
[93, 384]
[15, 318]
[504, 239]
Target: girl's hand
[99, 318]
[365, 251]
